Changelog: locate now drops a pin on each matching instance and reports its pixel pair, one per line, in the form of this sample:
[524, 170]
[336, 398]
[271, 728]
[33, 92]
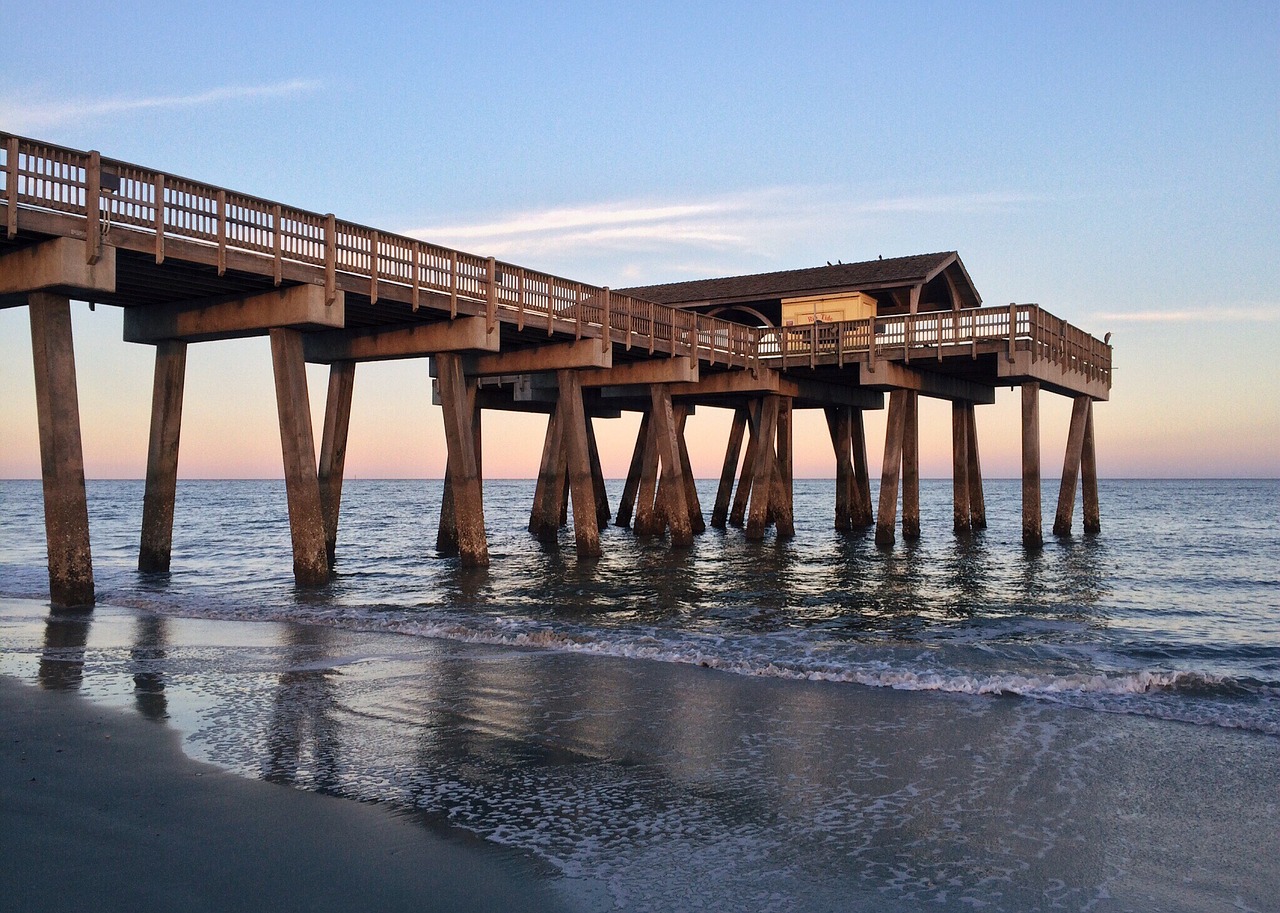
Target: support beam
[891, 468]
[544, 519]
[674, 503]
[780, 497]
[720, 512]
[458, 403]
[648, 515]
[696, 523]
[1032, 535]
[156, 547]
[977, 500]
[678, 370]
[1071, 465]
[229, 318]
[584, 353]
[302, 484]
[333, 449]
[738, 513]
[911, 467]
[66, 508]
[768, 380]
[597, 476]
[59, 266]
[465, 334]
[630, 488]
[586, 531]
[891, 375]
[763, 470]
[1089, 477]
[960, 466]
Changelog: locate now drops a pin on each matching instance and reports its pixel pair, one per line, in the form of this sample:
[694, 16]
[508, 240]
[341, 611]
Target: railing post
[158, 204]
[577, 312]
[491, 302]
[93, 208]
[374, 241]
[1013, 328]
[415, 296]
[607, 303]
[11, 189]
[330, 259]
[277, 244]
[222, 232]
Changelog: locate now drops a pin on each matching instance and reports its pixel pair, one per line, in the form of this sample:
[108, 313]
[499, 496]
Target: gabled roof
[871, 274]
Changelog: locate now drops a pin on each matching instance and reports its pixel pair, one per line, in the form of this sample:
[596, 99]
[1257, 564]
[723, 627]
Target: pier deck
[191, 262]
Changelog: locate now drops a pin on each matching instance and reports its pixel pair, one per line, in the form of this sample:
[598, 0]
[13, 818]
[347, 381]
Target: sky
[1118, 164]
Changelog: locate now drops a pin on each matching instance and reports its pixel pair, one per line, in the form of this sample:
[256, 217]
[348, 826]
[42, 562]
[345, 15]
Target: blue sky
[1117, 163]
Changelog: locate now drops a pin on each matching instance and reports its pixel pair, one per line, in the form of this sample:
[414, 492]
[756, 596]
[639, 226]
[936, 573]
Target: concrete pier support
[156, 547]
[696, 522]
[1089, 477]
[738, 512]
[764, 468]
[891, 468]
[960, 466]
[626, 506]
[333, 449]
[573, 435]
[861, 515]
[674, 505]
[1080, 412]
[66, 510]
[458, 403]
[720, 511]
[544, 518]
[603, 513]
[839, 420]
[780, 496]
[977, 499]
[1032, 536]
[911, 467]
[297, 442]
[649, 516]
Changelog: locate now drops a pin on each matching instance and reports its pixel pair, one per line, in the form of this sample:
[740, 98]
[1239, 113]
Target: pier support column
[156, 546]
[577, 455]
[1089, 477]
[674, 505]
[720, 512]
[977, 500]
[1032, 536]
[544, 519]
[1071, 465]
[649, 517]
[297, 442]
[764, 468]
[333, 449]
[696, 523]
[626, 506]
[960, 466]
[891, 468]
[66, 508]
[738, 512]
[911, 467]
[780, 496]
[458, 402]
[839, 421]
[603, 513]
[861, 515]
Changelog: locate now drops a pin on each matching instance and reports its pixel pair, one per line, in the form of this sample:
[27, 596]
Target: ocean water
[811, 724]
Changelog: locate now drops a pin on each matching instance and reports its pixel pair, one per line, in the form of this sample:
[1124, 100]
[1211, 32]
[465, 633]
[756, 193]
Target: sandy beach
[103, 811]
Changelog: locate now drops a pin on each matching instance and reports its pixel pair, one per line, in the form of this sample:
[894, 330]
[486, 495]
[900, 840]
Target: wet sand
[103, 811]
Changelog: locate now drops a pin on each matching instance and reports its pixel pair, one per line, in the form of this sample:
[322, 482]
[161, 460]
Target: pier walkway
[191, 262]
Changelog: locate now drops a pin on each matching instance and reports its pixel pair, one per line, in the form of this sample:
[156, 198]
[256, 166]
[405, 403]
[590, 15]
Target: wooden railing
[112, 193]
[917, 337]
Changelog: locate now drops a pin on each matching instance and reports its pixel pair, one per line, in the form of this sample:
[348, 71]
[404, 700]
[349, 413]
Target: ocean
[812, 724]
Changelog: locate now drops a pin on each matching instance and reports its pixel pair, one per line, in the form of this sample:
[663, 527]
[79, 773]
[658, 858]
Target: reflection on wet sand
[302, 732]
[146, 658]
[62, 659]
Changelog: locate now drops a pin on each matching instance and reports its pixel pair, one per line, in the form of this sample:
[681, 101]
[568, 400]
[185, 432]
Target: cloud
[1209, 314]
[749, 223]
[29, 114]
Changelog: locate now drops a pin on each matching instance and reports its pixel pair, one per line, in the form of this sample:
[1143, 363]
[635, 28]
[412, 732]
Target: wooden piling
[1071, 466]
[648, 520]
[911, 467]
[780, 498]
[333, 449]
[66, 509]
[696, 523]
[161, 487]
[977, 499]
[541, 522]
[297, 443]
[960, 466]
[720, 512]
[762, 486]
[861, 515]
[626, 505]
[891, 468]
[676, 508]
[1032, 535]
[603, 513]
[838, 427]
[741, 497]
[577, 454]
[458, 403]
[447, 530]
[1089, 477]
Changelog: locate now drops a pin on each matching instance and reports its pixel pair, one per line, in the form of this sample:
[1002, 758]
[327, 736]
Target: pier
[190, 262]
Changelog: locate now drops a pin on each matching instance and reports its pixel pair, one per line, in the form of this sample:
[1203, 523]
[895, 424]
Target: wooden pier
[190, 262]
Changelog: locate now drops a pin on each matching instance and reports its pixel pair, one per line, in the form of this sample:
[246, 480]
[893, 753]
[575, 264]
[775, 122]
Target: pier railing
[938, 334]
[113, 194]
[109, 193]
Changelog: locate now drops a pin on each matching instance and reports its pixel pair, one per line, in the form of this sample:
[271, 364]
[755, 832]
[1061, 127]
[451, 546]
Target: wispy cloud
[1208, 314]
[743, 222]
[26, 114]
